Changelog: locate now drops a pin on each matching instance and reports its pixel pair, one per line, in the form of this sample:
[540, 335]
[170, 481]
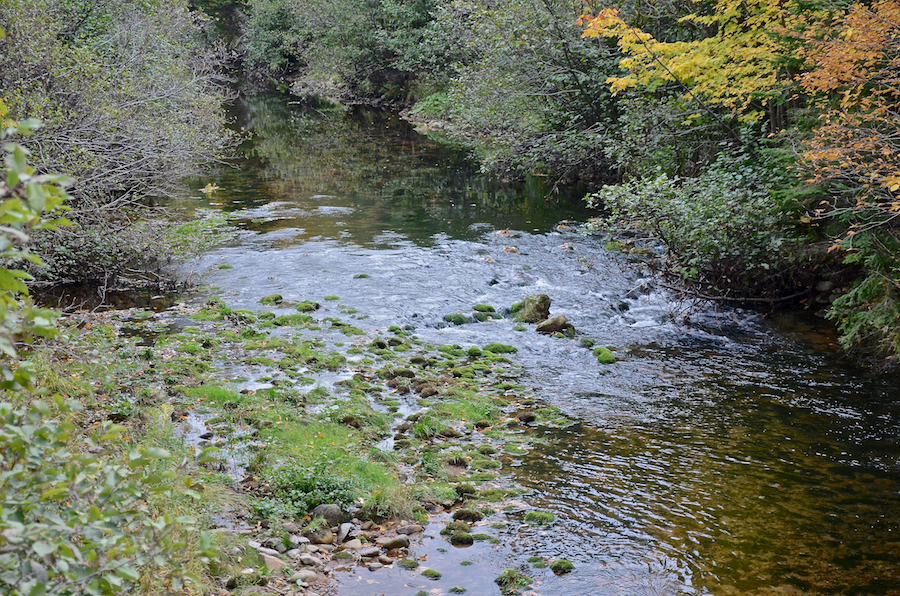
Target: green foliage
[130, 104]
[303, 488]
[24, 198]
[868, 314]
[724, 230]
[77, 523]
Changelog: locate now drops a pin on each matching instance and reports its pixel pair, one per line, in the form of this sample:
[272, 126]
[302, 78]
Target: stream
[726, 452]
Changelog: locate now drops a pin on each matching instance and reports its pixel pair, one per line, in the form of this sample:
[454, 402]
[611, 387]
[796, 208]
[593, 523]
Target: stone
[354, 544]
[321, 536]
[367, 525]
[824, 286]
[273, 564]
[391, 542]
[385, 560]
[310, 561]
[291, 528]
[343, 532]
[294, 553]
[371, 551]
[254, 544]
[554, 324]
[533, 309]
[268, 551]
[307, 576]
[331, 512]
[342, 555]
[410, 529]
[374, 566]
[297, 539]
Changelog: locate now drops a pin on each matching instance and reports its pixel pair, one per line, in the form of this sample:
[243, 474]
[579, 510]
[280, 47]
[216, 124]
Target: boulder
[331, 512]
[410, 529]
[555, 324]
[273, 564]
[533, 309]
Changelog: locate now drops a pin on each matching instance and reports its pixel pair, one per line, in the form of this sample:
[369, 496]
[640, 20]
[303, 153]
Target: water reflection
[355, 175]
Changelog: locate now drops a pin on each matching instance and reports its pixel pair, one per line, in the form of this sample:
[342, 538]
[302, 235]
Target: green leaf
[157, 453]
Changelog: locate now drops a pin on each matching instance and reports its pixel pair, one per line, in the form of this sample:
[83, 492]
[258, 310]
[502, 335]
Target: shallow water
[724, 453]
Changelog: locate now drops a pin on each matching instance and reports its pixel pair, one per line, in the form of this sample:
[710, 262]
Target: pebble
[310, 561]
[410, 529]
[268, 551]
[371, 551]
[354, 544]
[374, 566]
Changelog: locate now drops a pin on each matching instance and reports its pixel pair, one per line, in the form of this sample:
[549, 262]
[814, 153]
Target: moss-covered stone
[533, 309]
[271, 299]
[431, 574]
[540, 517]
[456, 319]
[484, 308]
[461, 539]
[307, 306]
[604, 355]
[561, 566]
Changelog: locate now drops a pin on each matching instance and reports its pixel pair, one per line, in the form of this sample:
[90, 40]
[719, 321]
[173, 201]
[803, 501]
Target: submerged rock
[555, 324]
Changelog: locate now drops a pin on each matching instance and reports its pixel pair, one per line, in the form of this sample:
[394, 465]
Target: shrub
[304, 488]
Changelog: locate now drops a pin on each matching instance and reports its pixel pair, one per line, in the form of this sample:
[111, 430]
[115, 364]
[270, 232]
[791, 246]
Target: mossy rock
[484, 308]
[454, 527]
[540, 517]
[486, 449]
[586, 342]
[408, 563]
[308, 306]
[462, 538]
[271, 299]
[465, 489]
[469, 515]
[478, 537]
[342, 555]
[480, 317]
[533, 309]
[497, 348]
[511, 580]
[456, 319]
[361, 276]
[604, 355]
[431, 574]
[561, 566]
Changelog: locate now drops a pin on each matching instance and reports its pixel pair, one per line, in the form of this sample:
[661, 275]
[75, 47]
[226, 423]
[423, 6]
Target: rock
[294, 553]
[331, 512]
[342, 555]
[410, 529]
[326, 548]
[343, 532]
[554, 324]
[374, 565]
[824, 286]
[307, 576]
[310, 561]
[367, 525]
[268, 551]
[385, 560]
[291, 528]
[297, 539]
[392, 542]
[321, 536]
[426, 389]
[371, 551]
[354, 544]
[450, 433]
[254, 544]
[525, 416]
[273, 564]
[533, 309]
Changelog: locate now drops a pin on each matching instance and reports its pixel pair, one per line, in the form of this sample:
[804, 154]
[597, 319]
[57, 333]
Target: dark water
[724, 453]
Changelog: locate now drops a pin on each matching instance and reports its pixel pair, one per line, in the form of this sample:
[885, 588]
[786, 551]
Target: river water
[726, 452]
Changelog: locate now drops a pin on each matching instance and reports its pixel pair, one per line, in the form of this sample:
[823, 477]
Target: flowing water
[726, 452]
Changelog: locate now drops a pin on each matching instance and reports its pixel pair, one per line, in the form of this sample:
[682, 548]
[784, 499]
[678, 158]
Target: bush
[77, 523]
[724, 231]
[304, 488]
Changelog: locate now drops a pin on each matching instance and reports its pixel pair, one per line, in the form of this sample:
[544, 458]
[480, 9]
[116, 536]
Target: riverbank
[330, 455]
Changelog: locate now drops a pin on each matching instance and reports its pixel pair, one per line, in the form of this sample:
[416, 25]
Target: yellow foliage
[739, 63]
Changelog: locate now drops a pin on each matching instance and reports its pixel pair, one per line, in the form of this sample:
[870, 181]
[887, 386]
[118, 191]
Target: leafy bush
[725, 230]
[303, 488]
[73, 522]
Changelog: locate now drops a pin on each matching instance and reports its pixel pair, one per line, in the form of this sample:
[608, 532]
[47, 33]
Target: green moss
[271, 299]
[457, 590]
[511, 580]
[408, 563]
[604, 355]
[361, 276]
[500, 348]
[466, 563]
[431, 574]
[520, 328]
[454, 527]
[534, 559]
[540, 517]
[479, 537]
[225, 266]
[484, 308]
[586, 342]
[332, 298]
[561, 566]
[456, 319]
[307, 306]
[462, 538]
